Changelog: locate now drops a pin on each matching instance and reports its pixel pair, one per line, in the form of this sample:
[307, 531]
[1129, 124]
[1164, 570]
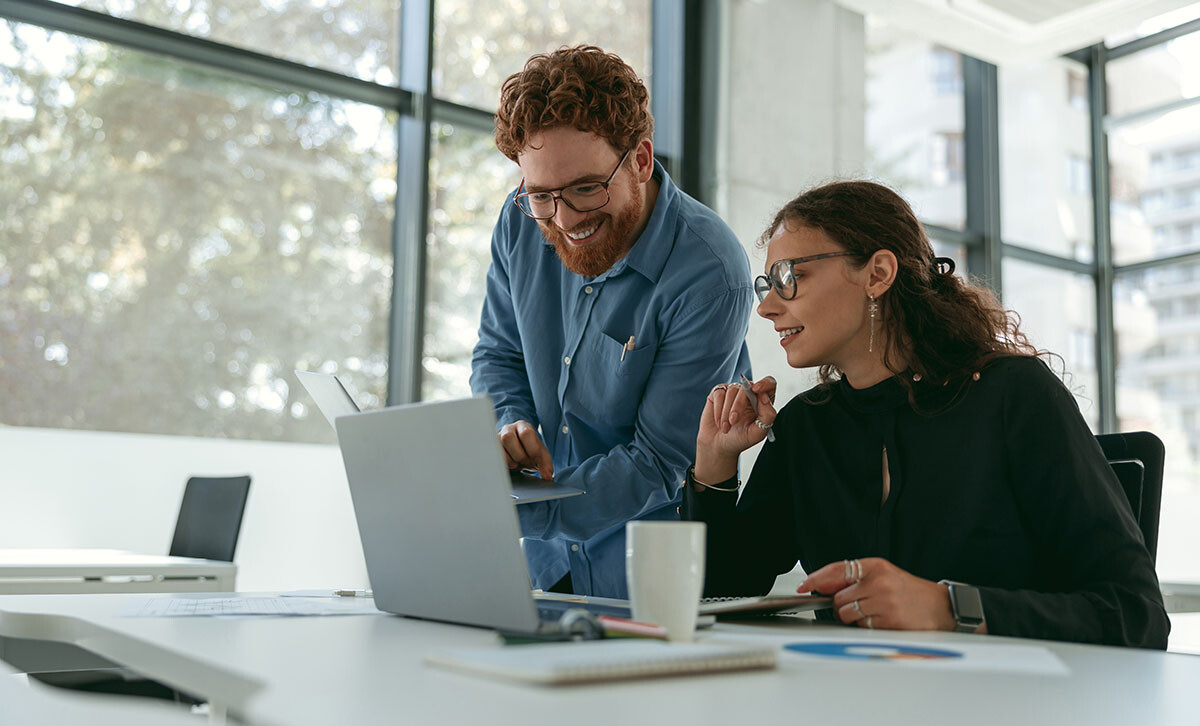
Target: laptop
[440, 536]
[450, 551]
[331, 396]
[334, 400]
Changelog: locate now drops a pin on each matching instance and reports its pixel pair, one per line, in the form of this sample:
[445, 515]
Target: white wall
[63, 488]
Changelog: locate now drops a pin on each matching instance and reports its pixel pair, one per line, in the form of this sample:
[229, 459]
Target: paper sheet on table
[171, 607]
[966, 654]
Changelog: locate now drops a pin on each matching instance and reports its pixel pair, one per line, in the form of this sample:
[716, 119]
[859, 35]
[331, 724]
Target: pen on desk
[352, 593]
[628, 347]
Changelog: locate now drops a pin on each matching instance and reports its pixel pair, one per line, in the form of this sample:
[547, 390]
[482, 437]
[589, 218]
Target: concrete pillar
[792, 104]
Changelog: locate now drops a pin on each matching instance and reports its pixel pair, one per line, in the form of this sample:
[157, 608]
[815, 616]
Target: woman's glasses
[782, 275]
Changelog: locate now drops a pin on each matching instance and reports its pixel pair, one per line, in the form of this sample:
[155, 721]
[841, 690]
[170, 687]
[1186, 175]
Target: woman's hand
[728, 427]
[874, 593]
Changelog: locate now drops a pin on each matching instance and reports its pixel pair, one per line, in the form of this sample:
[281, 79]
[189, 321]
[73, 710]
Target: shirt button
[588, 290]
[567, 360]
[574, 548]
[565, 429]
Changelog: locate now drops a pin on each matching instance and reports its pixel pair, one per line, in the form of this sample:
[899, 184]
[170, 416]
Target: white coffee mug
[664, 567]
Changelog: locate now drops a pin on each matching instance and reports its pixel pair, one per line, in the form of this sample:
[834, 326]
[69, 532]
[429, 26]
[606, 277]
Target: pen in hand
[753, 398]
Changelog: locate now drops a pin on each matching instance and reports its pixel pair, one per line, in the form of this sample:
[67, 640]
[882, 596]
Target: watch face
[968, 608]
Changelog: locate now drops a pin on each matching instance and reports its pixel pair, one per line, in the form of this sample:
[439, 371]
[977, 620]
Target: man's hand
[523, 449]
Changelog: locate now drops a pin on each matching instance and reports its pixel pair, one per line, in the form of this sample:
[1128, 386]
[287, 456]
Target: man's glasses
[586, 197]
[782, 276]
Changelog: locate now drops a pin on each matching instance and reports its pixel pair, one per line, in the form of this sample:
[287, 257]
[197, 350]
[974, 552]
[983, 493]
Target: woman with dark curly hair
[940, 476]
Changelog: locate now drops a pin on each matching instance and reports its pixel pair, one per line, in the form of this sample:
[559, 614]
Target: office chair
[1137, 459]
[209, 521]
[210, 517]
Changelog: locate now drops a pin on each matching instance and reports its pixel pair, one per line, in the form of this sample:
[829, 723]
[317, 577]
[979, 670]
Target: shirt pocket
[608, 380]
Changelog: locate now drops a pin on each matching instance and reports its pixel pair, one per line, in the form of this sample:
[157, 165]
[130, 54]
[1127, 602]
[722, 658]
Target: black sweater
[1005, 489]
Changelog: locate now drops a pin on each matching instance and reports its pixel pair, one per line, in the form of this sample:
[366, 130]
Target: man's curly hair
[582, 87]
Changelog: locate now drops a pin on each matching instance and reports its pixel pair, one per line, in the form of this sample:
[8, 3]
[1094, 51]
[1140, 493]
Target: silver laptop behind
[331, 396]
[432, 498]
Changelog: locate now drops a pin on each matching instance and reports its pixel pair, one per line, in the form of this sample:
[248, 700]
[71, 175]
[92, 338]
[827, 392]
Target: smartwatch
[966, 606]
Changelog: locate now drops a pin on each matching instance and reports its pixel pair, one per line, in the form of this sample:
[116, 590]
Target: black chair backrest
[1137, 458]
[210, 517]
[1132, 475]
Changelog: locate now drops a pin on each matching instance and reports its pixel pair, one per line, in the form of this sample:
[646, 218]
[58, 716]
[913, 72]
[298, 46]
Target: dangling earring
[874, 310]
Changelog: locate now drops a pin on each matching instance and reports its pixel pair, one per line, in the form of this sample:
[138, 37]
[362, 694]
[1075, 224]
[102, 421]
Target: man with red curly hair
[615, 302]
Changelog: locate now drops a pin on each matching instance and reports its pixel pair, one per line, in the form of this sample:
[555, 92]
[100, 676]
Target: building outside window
[1154, 134]
[1077, 90]
[947, 71]
[914, 122]
[1079, 175]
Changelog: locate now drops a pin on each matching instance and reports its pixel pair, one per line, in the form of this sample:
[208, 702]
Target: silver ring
[765, 427]
[721, 386]
[869, 625]
[858, 610]
[849, 571]
[857, 571]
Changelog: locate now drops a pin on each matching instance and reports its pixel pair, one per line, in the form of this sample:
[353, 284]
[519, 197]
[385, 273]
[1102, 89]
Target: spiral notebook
[748, 607]
[602, 660]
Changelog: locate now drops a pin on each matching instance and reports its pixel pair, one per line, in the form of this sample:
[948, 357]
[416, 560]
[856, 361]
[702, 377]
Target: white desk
[369, 670]
[44, 571]
[1185, 634]
[36, 705]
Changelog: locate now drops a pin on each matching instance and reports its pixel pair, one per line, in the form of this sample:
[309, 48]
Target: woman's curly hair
[582, 87]
[943, 327]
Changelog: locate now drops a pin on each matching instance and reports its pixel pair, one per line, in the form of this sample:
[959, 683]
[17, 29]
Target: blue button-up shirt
[620, 424]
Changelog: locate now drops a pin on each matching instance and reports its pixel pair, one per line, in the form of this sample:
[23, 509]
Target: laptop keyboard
[552, 610]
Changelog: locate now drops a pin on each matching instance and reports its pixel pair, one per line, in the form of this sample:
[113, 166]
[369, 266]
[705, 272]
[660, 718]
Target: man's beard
[596, 258]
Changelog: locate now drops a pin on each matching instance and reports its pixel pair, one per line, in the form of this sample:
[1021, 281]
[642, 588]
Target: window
[947, 163]
[1058, 313]
[212, 232]
[479, 43]
[1158, 390]
[1044, 207]
[947, 71]
[1079, 175]
[470, 180]
[914, 122]
[1155, 76]
[1164, 194]
[359, 39]
[1077, 89]
[174, 242]
[1081, 348]
[1167, 20]
[1188, 161]
[1159, 197]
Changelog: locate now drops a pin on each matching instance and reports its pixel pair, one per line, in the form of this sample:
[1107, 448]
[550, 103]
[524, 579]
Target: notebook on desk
[749, 607]
[572, 663]
[334, 400]
[439, 533]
